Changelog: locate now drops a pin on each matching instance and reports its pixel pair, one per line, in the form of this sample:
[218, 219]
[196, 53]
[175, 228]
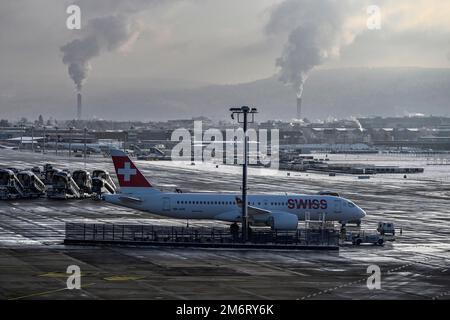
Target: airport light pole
[84, 138]
[245, 111]
[45, 138]
[70, 140]
[32, 139]
[21, 137]
[56, 141]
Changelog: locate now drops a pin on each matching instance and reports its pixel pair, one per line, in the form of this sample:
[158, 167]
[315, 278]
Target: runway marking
[390, 271]
[47, 292]
[58, 274]
[274, 267]
[249, 292]
[123, 278]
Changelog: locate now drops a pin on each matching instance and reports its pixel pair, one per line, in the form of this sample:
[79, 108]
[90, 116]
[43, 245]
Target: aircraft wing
[277, 219]
[129, 199]
[255, 213]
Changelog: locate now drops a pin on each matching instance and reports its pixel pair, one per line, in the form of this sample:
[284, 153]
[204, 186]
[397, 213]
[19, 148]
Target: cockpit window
[351, 205]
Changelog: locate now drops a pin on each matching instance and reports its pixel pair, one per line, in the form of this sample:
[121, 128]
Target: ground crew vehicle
[63, 187]
[387, 228]
[33, 187]
[83, 180]
[102, 183]
[10, 186]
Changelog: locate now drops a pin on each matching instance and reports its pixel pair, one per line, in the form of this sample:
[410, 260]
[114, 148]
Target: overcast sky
[208, 41]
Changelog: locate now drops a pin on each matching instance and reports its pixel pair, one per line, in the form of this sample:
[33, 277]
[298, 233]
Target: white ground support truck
[385, 232]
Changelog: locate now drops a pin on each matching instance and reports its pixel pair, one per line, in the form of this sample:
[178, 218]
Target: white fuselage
[224, 206]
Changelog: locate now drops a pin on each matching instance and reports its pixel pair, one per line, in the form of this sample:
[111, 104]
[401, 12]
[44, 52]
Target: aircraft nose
[362, 213]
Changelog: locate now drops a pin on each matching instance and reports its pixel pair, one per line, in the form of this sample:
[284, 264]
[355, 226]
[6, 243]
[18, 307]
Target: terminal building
[404, 133]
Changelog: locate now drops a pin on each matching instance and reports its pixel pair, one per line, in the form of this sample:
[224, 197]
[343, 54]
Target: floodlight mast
[245, 111]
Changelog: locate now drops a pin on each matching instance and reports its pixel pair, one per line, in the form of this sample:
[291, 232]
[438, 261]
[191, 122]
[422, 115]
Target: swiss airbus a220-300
[280, 212]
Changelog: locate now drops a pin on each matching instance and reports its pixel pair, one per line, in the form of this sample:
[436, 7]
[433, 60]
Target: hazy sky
[208, 41]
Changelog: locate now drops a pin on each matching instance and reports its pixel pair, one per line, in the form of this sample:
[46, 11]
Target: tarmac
[34, 260]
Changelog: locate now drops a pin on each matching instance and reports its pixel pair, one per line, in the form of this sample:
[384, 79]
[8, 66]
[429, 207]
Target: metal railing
[158, 233]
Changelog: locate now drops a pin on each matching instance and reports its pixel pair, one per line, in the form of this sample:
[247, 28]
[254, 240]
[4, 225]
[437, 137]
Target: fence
[158, 234]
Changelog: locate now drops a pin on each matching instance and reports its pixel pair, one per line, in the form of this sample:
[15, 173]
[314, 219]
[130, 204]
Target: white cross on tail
[126, 171]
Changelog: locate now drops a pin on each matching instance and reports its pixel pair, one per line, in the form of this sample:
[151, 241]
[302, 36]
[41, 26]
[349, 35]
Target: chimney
[299, 108]
[79, 106]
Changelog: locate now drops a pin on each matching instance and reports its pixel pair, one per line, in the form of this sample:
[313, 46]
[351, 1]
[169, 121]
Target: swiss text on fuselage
[307, 204]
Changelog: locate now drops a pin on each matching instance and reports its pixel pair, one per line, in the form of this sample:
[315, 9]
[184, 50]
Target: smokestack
[79, 106]
[299, 108]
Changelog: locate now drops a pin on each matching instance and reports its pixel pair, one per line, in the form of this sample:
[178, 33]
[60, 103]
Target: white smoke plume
[316, 32]
[110, 25]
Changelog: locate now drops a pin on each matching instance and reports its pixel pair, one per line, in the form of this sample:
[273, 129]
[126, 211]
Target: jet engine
[283, 221]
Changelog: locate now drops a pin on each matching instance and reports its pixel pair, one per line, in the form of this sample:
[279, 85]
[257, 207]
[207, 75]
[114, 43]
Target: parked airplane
[280, 212]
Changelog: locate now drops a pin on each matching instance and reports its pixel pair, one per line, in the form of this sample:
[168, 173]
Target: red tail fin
[127, 173]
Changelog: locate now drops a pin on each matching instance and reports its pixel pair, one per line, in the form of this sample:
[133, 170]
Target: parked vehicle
[387, 228]
[63, 186]
[33, 187]
[83, 180]
[10, 186]
[360, 238]
[102, 183]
